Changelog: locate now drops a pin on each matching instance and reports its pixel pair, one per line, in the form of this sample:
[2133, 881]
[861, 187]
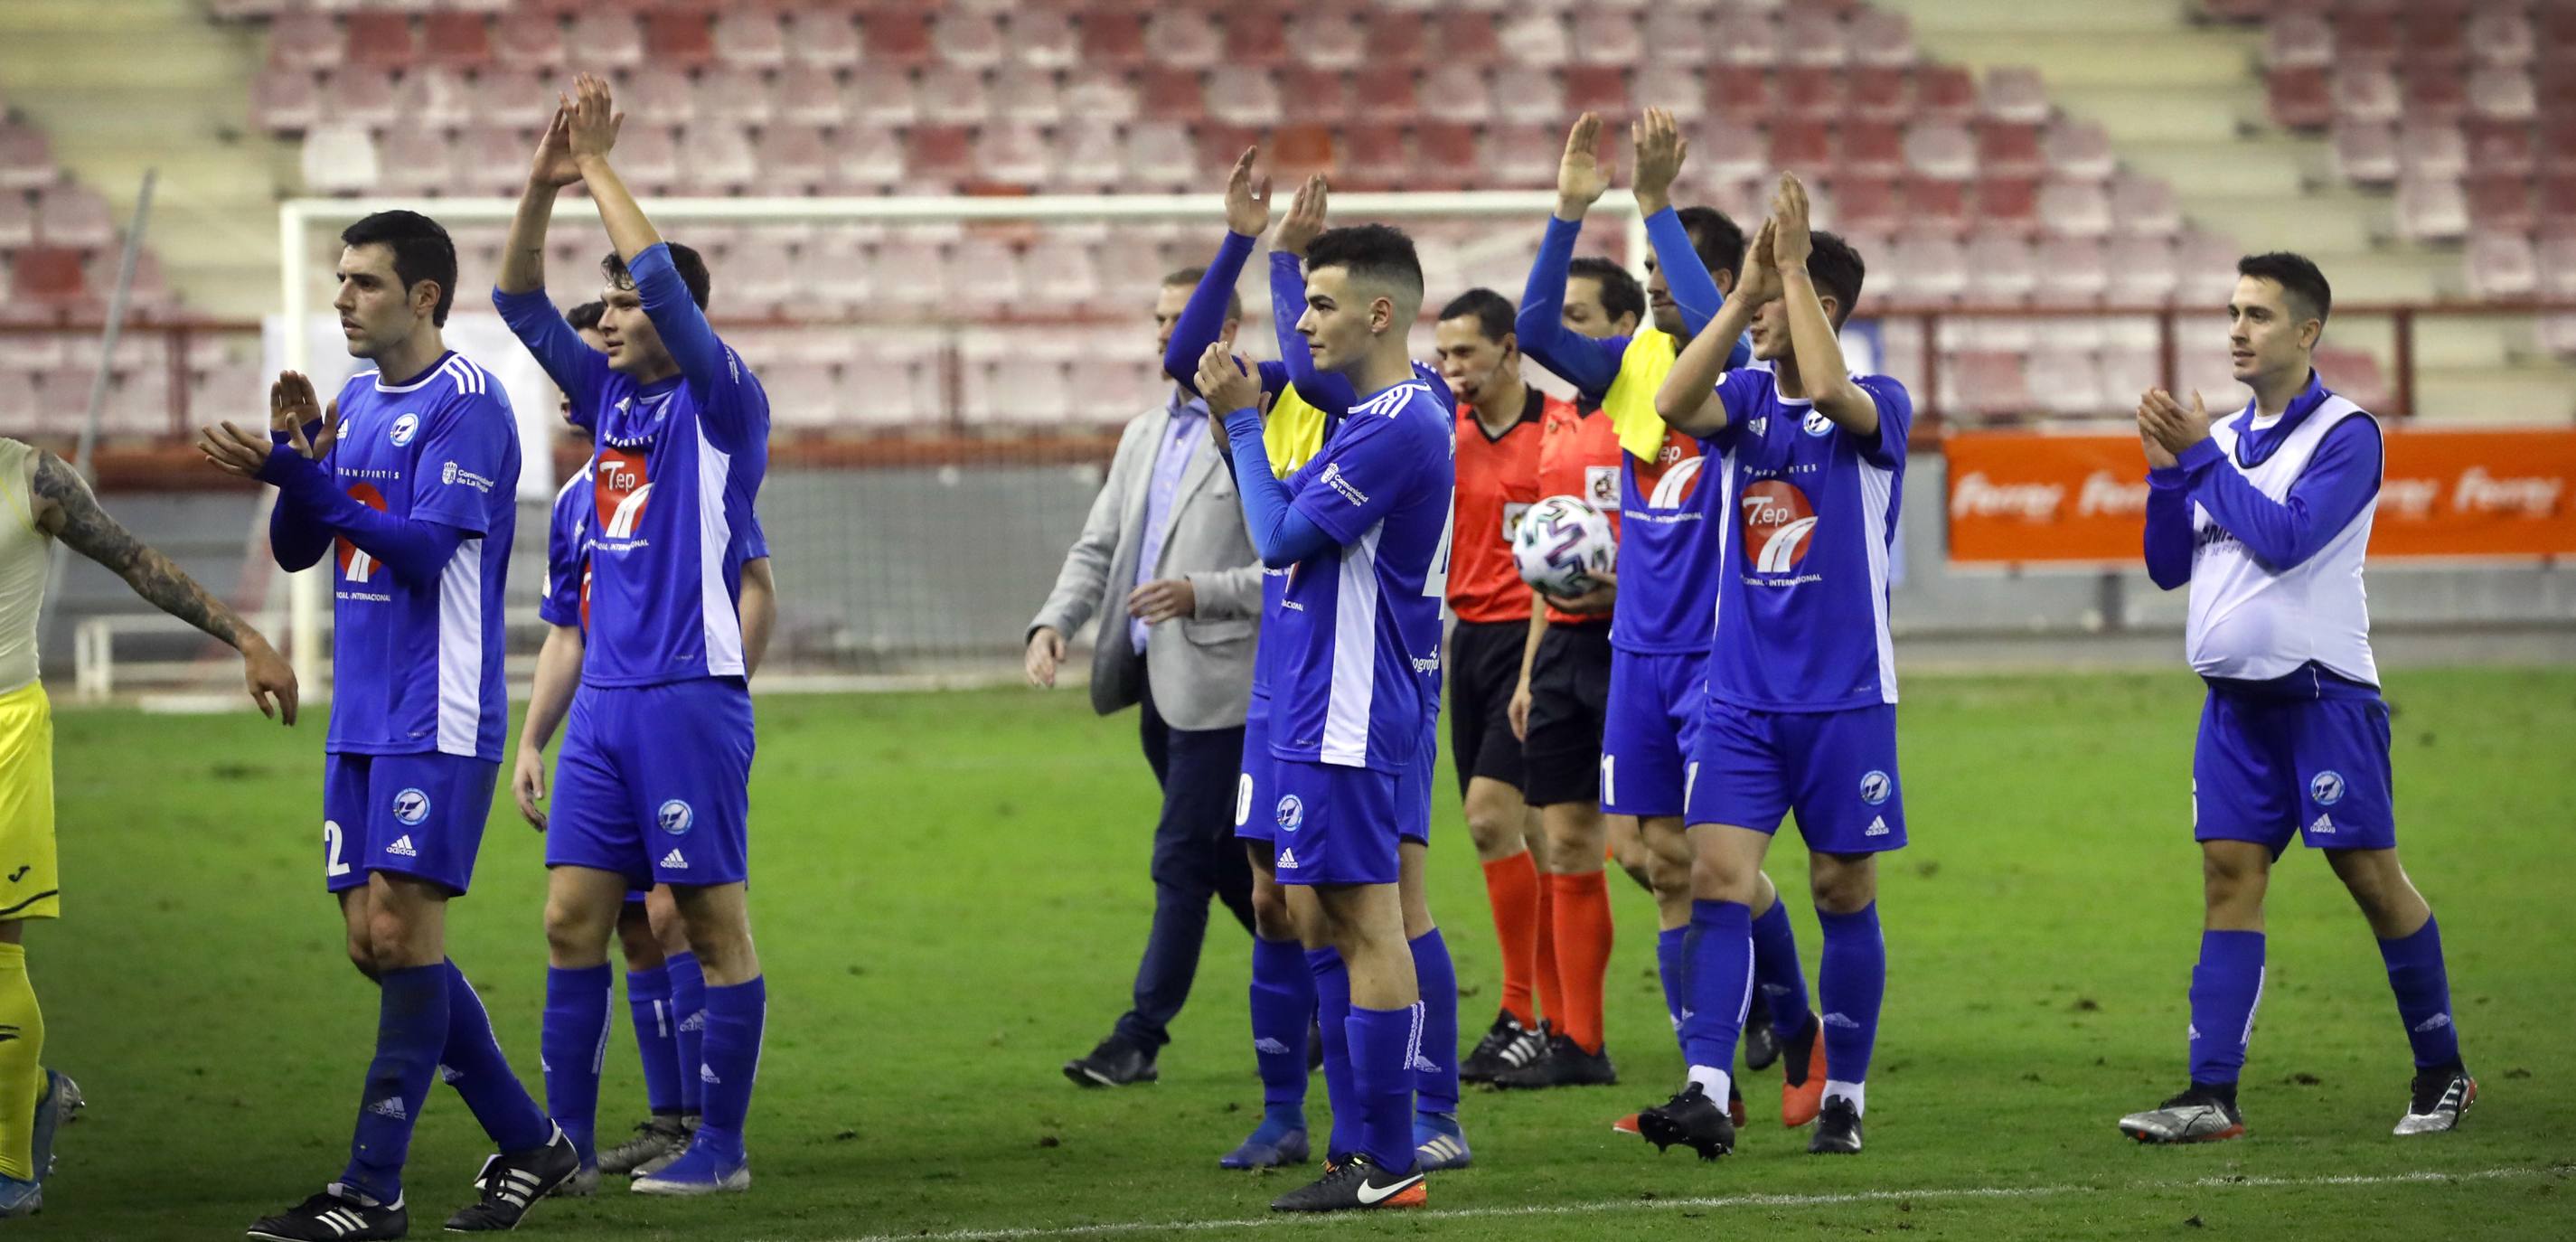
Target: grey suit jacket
[1201, 665]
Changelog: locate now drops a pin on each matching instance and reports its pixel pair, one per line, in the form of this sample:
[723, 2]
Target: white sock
[1848, 1090]
[1712, 1081]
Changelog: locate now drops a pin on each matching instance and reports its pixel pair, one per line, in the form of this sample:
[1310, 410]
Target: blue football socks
[735, 1017]
[688, 1023]
[1435, 1085]
[411, 1028]
[2423, 987]
[2225, 988]
[570, 1046]
[657, 1037]
[1777, 973]
[472, 1063]
[1851, 980]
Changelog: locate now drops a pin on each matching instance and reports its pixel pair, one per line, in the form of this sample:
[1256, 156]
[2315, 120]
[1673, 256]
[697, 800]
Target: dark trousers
[1196, 856]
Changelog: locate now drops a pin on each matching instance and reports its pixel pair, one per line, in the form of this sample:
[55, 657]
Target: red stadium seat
[47, 274]
[2427, 94]
[2356, 375]
[1881, 40]
[1316, 95]
[2498, 35]
[1452, 91]
[607, 38]
[750, 37]
[2558, 146]
[1597, 88]
[1745, 41]
[682, 38]
[2503, 265]
[1449, 157]
[27, 160]
[1867, 204]
[456, 40]
[1250, 98]
[1373, 155]
[1043, 39]
[2436, 34]
[2014, 204]
[1886, 95]
[2558, 205]
[895, 39]
[528, 39]
[1801, 146]
[1678, 34]
[1941, 151]
[1099, 96]
[1603, 37]
[2501, 204]
[2365, 152]
[18, 220]
[822, 36]
[1219, 145]
[1386, 93]
[939, 155]
[1945, 93]
[2144, 205]
[1465, 38]
[1747, 96]
[1660, 84]
[2501, 148]
[1172, 94]
[1183, 39]
[1935, 207]
[1824, 94]
[2299, 98]
[1327, 40]
[1298, 151]
[1873, 149]
[2363, 38]
[792, 158]
[2502, 95]
[2362, 94]
[306, 40]
[1253, 37]
[1812, 37]
[2014, 93]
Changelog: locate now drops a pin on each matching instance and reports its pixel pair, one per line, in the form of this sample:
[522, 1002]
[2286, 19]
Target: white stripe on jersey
[1726, 516]
[460, 649]
[1668, 489]
[1393, 400]
[719, 624]
[1354, 686]
[468, 377]
[1876, 485]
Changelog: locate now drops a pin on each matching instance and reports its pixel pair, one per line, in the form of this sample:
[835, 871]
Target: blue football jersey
[417, 665]
[566, 599]
[1807, 520]
[1356, 642]
[677, 467]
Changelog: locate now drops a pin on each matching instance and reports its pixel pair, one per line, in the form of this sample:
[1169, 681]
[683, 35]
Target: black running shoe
[1355, 1184]
[2441, 1097]
[338, 1214]
[1837, 1129]
[1689, 1119]
[1565, 1065]
[512, 1182]
[1115, 1063]
[1507, 1046]
[1761, 1043]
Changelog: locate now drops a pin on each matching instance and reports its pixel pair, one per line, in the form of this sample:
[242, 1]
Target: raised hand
[1228, 384]
[1758, 281]
[1583, 176]
[1660, 148]
[554, 164]
[1247, 204]
[2158, 456]
[234, 450]
[292, 407]
[1305, 220]
[2174, 427]
[1790, 243]
[592, 124]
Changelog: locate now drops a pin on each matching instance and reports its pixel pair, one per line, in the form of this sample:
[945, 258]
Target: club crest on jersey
[1292, 813]
[411, 806]
[1816, 424]
[356, 563]
[675, 817]
[403, 429]
[620, 487]
[1874, 787]
[1779, 525]
[2326, 789]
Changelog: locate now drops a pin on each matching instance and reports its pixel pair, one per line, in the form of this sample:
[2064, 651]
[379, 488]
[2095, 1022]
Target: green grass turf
[951, 892]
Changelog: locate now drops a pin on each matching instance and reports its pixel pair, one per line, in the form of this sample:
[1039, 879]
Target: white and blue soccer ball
[1561, 543]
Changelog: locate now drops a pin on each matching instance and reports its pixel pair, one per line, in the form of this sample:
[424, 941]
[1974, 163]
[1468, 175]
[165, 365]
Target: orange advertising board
[2025, 498]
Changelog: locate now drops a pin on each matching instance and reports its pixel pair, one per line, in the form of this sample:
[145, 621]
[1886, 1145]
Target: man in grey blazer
[1164, 563]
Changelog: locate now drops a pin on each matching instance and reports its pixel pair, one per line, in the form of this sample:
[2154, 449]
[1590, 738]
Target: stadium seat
[1987, 385]
[607, 37]
[822, 36]
[2499, 35]
[1935, 207]
[2501, 149]
[435, 97]
[1160, 157]
[1745, 41]
[742, 96]
[1372, 155]
[2362, 94]
[1886, 95]
[455, 40]
[2431, 209]
[1523, 156]
[415, 160]
[2502, 265]
[1536, 39]
[1872, 149]
[378, 40]
[1941, 150]
[2432, 150]
[1113, 40]
[2072, 272]
[667, 95]
[305, 40]
[1172, 94]
[801, 394]
[1448, 157]
[2000, 269]
[2014, 93]
[891, 38]
[2365, 38]
[1603, 37]
[1596, 88]
[1823, 94]
[1183, 38]
[1811, 36]
[1044, 39]
[1862, 203]
[73, 215]
[1945, 93]
[949, 95]
[360, 97]
[1801, 146]
[1881, 40]
[1744, 96]
[47, 274]
[2433, 94]
[968, 40]
[528, 38]
[337, 159]
[878, 95]
[1525, 96]
[1677, 34]
[1062, 276]
[26, 159]
[760, 276]
[2073, 209]
[280, 102]
[649, 157]
[2006, 149]
[2067, 382]
[1014, 153]
[2501, 204]
[2298, 40]
[2365, 152]
[2012, 204]
[939, 155]
[1671, 86]
[750, 37]
[1326, 39]
[2502, 95]
[1449, 91]
[2354, 373]
[807, 95]
[1461, 38]
[18, 226]
[2144, 205]
[792, 158]
[866, 159]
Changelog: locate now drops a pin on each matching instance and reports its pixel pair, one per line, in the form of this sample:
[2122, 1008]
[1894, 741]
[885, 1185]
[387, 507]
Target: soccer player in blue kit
[410, 482]
[1363, 530]
[1308, 405]
[1800, 713]
[653, 782]
[2266, 517]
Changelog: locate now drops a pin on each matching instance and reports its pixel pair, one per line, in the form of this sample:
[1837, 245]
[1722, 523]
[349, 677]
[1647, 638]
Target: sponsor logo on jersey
[675, 817]
[1758, 427]
[411, 806]
[356, 563]
[451, 474]
[1291, 814]
[1874, 787]
[1679, 482]
[1779, 525]
[403, 429]
[1333, 478]
[2326, 789]
[621, 484]
[1816, 424]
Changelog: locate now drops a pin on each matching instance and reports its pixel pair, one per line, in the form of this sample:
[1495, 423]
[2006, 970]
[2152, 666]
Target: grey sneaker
[655, 1139]
[59, 1106]
[2192, 1117]
[2441, 1098]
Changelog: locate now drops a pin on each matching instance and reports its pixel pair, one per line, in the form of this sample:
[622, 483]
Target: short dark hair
[1836, 268]
[1718, 239]
[691, 266]
[1189, 278]
[1380, 252]
[422, 251]
[585, 317]
[1492, 310]
[2297, 275]
[1620, 292]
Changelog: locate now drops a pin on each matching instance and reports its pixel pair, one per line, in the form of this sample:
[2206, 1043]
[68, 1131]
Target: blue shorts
[1256, 804]
[1655, 704]
[415, 815]
[1835, 770]
[654, 783]
[2265, 769]
[1336, 824]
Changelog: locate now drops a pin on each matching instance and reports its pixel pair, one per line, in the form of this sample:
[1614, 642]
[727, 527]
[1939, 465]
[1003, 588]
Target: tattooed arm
[66, 510]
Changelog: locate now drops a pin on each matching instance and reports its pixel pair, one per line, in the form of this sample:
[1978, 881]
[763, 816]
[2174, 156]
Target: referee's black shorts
[1484, 670]
[1569, 702]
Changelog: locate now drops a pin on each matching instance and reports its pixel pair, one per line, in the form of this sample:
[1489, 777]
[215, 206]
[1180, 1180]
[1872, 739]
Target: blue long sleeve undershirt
[311, 508]
[2338, 482]
[1588, 364]
[1280, 533]
[1695, 292]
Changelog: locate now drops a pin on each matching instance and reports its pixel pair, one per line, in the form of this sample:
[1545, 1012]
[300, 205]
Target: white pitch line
[1716, 1201]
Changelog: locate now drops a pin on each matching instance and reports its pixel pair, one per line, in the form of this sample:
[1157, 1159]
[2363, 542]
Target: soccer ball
[1561, 543]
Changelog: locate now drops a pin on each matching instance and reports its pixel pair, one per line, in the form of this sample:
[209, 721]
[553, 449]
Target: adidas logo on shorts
[673, 860]
[2324, 825]
[1877, 827]
[401, 848]
[1287, 859]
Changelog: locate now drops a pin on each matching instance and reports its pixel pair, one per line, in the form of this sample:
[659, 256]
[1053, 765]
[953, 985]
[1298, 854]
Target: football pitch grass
[950, 893]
